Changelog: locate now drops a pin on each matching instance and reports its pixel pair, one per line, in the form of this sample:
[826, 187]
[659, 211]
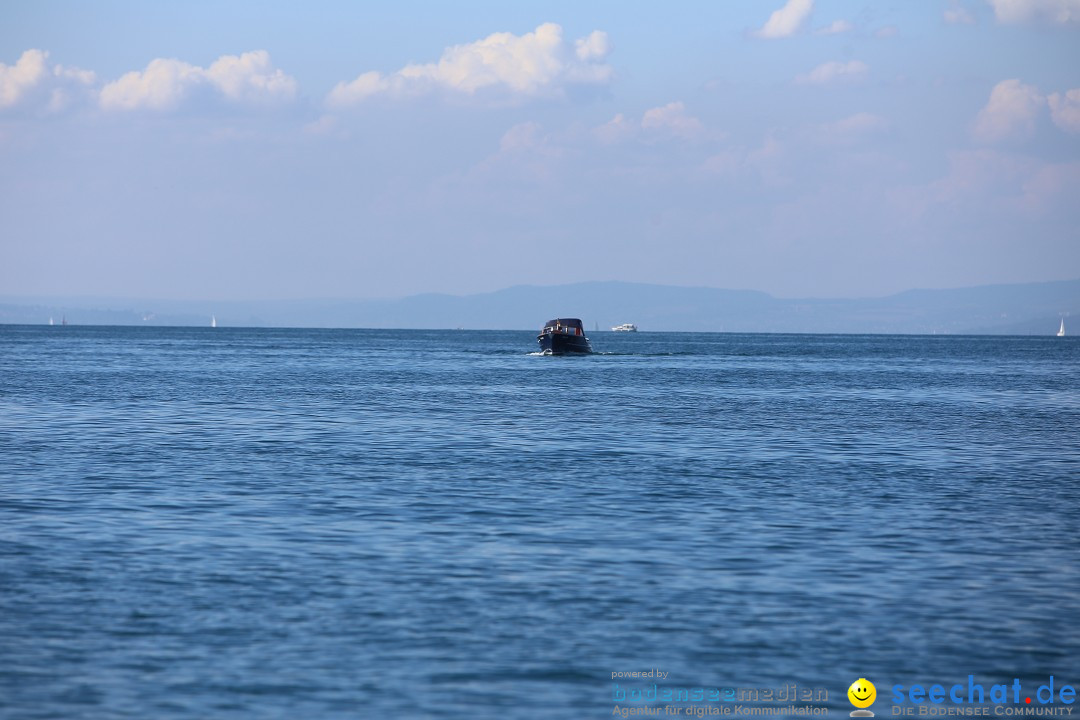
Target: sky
[271, 150]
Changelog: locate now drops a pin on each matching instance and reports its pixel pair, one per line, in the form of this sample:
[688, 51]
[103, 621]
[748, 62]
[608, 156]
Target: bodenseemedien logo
[862, 694]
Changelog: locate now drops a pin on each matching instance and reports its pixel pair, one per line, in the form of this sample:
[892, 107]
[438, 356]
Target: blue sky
[260, 150]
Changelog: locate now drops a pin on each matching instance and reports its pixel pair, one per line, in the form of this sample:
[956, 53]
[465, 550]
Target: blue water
[235, 523]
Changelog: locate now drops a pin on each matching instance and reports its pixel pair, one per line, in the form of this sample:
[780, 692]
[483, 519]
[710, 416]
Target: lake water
[259, 523]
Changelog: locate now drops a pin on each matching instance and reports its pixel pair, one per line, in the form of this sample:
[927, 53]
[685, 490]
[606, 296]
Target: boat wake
[608, 353]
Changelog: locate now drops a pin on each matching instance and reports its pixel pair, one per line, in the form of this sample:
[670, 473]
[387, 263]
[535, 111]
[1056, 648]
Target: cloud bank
[834, 72]
[1014, 108]
[853, 127]
[1060, 12]
[165, 84]
[672, 118]
[534, 64]
[670, 121]
[958, 16]
[835, 28]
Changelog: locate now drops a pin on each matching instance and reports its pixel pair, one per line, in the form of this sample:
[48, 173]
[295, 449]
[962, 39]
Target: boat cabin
[564, 326]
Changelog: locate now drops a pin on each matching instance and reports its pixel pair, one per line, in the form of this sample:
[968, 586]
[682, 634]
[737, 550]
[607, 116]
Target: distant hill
[1024, 309]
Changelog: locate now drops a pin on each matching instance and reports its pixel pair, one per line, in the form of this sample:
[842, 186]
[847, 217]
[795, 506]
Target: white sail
[1061, 330]
[213, 321]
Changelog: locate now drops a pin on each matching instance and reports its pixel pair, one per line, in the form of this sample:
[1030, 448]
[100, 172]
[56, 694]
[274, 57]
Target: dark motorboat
[562, 336]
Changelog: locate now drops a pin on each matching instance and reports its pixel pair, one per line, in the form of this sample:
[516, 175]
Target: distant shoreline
[1021, 309]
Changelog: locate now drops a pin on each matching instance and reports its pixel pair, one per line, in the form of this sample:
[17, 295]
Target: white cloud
[69, 82]
[536, 63]
[835, 27]
[325, 125]
[526, 154]
[958, 16]
[1051, 183]
[523, 136]
[31, 76]
[593, 47]
[667, 120]
[853, 127]
[18, 79]
[161, 86]
[834, 71]
[765, 163]
[1065, 110]
[1010, 112]
[363, 87]
[672, 118]
[166, 83]
[1055, 11]
[726, 163]
[787, 20]
[83, 77]
[251, 77]
[989, 178]
[615, 130]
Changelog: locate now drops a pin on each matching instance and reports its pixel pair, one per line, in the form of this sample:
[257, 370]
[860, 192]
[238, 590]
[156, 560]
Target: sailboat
[213, 321]
[1061, 330]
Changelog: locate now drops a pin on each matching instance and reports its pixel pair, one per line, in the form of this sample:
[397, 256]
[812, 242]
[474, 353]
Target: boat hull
[563, 344]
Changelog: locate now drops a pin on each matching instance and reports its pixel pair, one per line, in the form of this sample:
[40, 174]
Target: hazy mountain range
[1023, 309]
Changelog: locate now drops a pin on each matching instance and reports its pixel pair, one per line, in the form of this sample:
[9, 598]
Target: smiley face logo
[862, 693]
